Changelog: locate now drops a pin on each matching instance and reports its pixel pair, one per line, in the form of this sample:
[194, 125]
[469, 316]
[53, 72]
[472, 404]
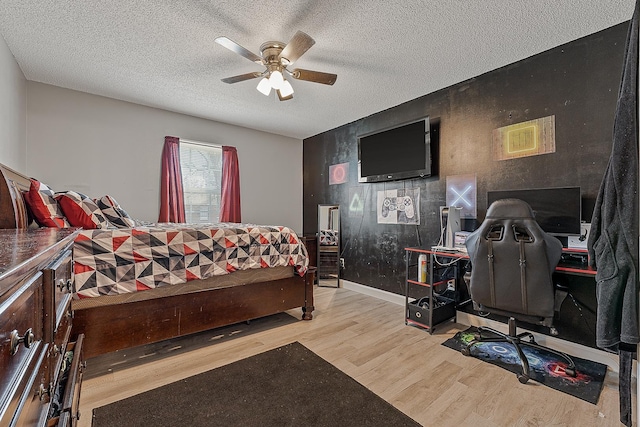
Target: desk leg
[406, 286]
[431, 302]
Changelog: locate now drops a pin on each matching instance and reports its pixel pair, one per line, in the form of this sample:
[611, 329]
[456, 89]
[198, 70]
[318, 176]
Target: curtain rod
[207, 144]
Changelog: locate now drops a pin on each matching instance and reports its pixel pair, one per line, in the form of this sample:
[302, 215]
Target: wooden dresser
[40, 370]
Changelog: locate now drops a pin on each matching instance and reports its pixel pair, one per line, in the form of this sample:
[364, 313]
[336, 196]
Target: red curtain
[230, 197]
[171, 193]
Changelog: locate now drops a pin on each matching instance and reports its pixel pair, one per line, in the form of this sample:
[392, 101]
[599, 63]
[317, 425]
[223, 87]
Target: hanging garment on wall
[613, 242]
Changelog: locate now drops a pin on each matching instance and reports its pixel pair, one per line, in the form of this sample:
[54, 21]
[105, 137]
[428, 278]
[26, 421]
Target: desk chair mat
[545, 368]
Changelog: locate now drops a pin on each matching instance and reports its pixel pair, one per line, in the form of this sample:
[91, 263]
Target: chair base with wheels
[517, 340]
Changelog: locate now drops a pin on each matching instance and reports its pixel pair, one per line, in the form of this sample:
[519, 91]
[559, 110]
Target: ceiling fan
[276, 57]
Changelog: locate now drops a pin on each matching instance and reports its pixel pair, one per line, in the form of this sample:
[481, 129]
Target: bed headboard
[13, 213]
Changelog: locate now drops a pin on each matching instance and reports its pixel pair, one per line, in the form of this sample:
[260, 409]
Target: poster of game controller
[401, 206]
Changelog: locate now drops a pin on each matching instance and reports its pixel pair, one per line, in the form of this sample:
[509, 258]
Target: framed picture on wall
[401, 206]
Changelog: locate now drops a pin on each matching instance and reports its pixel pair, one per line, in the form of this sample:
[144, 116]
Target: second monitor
[557, 210]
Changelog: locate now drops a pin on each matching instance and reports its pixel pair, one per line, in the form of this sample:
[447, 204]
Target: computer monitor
[557, 210]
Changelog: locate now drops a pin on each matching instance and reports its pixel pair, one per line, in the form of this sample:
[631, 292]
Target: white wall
[99, 146]
[13, 94]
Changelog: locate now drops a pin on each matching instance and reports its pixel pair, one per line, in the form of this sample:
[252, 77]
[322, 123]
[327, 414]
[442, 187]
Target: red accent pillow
[81, 211]
[43, 206]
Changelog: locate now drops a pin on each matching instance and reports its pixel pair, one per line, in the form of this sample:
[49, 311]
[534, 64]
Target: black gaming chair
[512, 262]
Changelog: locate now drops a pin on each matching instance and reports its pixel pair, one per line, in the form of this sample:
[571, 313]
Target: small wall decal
[462, 193]
[530, 138]
[356, 201]
[338, 174]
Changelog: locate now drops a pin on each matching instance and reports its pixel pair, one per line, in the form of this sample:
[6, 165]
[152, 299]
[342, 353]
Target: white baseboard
[373, 292]
[609, 359]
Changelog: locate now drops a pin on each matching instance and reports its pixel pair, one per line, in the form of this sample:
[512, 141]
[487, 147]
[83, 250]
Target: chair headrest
[510, 208]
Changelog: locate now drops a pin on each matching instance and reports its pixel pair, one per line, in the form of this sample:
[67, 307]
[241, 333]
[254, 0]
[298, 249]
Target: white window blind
[201, 166]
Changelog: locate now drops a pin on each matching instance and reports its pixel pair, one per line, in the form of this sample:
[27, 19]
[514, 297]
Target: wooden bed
[114, 327]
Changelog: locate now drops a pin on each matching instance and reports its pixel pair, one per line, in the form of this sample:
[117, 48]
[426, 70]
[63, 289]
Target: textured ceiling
[162, 53]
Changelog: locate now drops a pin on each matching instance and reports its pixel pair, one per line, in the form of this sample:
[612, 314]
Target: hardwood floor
[366, 338]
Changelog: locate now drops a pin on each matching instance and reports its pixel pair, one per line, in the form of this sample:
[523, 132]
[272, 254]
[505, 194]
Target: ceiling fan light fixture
[286, 89]
[276, 56]
[276, 79]
[264, 86]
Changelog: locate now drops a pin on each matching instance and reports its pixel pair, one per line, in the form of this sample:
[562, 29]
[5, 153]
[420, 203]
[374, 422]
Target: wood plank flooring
[366, 338]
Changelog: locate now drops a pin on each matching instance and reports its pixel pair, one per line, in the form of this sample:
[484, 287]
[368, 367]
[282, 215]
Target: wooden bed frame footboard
[118, 327]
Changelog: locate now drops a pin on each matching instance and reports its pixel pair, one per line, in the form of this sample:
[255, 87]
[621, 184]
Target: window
[201, 166]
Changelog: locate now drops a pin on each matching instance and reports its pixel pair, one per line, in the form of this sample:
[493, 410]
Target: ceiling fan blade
[299, 44]
[283, 98]
[314, 76]
[242, 77]
[235, 47]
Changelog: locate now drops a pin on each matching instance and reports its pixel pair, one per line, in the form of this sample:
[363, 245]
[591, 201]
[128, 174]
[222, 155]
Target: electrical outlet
[341, 262]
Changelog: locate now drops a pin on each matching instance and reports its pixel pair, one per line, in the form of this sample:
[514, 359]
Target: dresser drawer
[60, 340]
[58, 288]
[68, 393]
[20, 341]
[33, 404]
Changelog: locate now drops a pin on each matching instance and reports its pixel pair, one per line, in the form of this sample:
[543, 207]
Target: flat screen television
[557, 210]
[399, 152]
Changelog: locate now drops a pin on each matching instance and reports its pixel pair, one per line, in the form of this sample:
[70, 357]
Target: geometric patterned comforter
[117, 261]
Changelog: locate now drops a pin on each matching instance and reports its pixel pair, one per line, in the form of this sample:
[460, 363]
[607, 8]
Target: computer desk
[565, 266]
[576, 324]
[459, 259]
[575, 267]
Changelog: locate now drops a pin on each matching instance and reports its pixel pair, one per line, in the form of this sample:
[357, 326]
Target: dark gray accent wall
[577, 82]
